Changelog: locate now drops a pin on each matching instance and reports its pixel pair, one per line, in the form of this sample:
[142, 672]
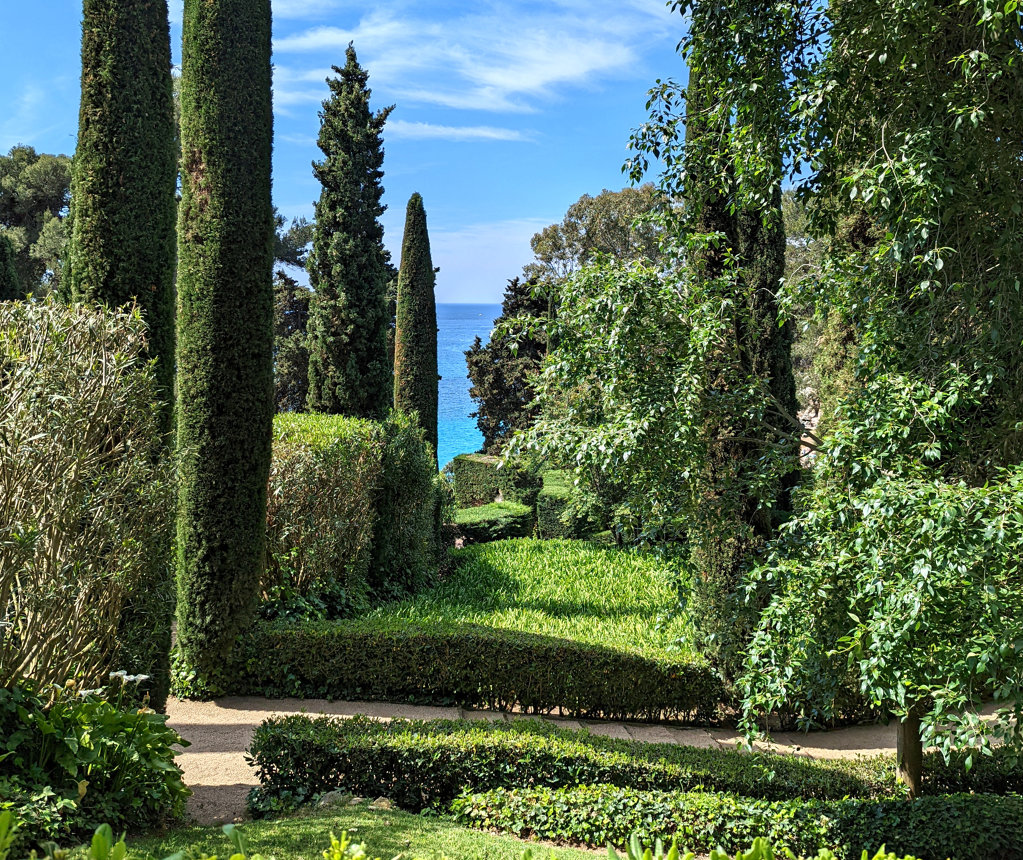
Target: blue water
[458, 326]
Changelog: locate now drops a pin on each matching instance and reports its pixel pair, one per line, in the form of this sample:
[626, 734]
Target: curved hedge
[959, 827]
[496, 521]
[473, 666]
[480, 478]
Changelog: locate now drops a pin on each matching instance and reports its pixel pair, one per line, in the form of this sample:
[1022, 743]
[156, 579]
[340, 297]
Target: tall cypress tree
[225, 321]
[415, 331]
[10, 286]
[124, 173]
[349, 367]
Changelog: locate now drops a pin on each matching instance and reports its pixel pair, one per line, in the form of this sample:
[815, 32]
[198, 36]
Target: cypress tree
[10, 286]
[349, 367]
[124, 173]
[415, 332]
[225, 321]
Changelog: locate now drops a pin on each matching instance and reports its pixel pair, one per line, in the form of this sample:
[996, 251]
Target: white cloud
[429, 131]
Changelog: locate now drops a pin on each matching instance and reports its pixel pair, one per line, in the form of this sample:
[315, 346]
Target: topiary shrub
[496, 521]
[480, 479]
[406, 539]
[555, 517]
[321, 510]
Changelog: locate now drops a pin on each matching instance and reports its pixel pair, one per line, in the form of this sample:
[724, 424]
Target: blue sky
[507, 110]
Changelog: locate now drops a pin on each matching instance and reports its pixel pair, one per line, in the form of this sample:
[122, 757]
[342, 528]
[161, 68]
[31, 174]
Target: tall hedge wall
[479, 478]
[225, 318]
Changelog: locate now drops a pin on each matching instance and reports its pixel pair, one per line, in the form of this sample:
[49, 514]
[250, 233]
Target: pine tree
[349, 370]
[124, 173]
[415, 332]
[225, 322]
[291, 355]
[10, 286]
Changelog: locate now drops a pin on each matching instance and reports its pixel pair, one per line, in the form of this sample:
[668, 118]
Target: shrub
[387, 659]
[84, 757]
[406, 540]
[321, 510]
[479, 480]
[933, 828]
[496, 521]
[86, 499]
[555, 512]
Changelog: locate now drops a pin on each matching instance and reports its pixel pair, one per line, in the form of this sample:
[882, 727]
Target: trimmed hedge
[388, 660]
[478, 480]
[933, 828]
[496, 521]
[552, 505]
[427, 764]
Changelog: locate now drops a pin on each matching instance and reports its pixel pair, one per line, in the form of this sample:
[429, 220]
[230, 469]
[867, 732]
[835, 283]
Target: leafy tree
[349, 371]
[124, 177]
[415, 333]
[291, 241]
[34, 196]
[225, 323]
[10, 286]
[291, 354]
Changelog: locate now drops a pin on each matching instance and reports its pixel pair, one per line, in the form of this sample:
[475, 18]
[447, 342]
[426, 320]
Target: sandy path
[220, 733]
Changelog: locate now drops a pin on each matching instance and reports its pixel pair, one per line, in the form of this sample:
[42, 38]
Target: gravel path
[220, 732]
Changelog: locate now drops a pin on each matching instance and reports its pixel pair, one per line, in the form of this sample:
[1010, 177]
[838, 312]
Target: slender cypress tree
[10, 286]
[415, 331]
[124, 173]
[225, 321]
[349, 367]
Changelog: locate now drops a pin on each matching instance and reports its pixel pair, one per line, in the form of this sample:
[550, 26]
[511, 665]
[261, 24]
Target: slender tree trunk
[910, 753]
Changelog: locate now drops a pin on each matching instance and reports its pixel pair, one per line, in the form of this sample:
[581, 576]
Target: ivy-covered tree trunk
[124, 174]
[10, 285]
[415, 337]
[225, 321]
[349, 364]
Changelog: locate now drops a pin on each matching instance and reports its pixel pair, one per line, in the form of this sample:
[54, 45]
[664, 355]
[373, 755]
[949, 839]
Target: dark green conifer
[349, 367]
[225, 321]
[415, 329]
[124, 173]
[10, 286]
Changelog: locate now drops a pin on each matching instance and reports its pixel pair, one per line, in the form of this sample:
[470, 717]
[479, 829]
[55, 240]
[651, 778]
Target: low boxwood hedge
[427, 764]
[391, 659]
[552, 507]
[966, 826]
[496, 521]
[479, 479]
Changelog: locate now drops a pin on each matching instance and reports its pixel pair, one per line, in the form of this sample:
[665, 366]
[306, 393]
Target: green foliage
[557, 510]
[496, 521]
[959, 827]
[406, 540]
[415, 333]
[291, 349]
[349, 371]
[225, 331]
[34, 196]
[479, 479]
[124, 176]
[321, 513]
[73, 758]
[291, 241]
[10, 285]
[86, 499]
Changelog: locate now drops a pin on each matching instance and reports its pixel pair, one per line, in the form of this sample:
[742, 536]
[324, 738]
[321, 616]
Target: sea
[458, 325]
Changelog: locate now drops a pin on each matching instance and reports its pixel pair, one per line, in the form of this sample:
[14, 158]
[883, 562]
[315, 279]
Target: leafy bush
[951, 826]
[86, 499]
[84, 757]
[406, 540]
[321, 510]
[427, 764]
[386, 659]
[555, 514]
[480, 479]
[496, 521]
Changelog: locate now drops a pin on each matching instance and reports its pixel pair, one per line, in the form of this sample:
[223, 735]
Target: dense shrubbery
[474, 666]
[480, 479]
[86, 499]
[496, 521]
[555, 513]
[72, 759]
[960, 827]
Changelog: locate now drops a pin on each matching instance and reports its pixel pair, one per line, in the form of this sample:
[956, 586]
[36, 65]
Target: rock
[355, 801]
[335, 798]
[381, 803]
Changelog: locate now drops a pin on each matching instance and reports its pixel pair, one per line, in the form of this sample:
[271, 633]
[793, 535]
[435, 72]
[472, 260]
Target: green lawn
[386, 834]
[568, 589]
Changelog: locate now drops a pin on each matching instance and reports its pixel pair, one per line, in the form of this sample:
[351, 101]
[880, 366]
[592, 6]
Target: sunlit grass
[567, 589]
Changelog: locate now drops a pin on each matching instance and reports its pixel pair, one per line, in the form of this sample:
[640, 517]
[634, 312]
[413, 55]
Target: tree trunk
[910, 753]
